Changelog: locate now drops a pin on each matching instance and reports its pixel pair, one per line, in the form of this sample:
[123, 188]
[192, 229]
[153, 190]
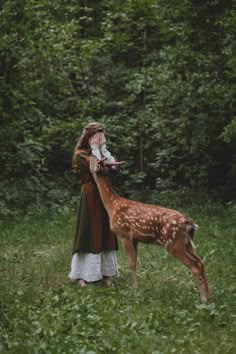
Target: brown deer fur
[135, 222]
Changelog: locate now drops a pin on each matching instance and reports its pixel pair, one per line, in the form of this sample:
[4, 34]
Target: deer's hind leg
[193, 254]
[186, 255]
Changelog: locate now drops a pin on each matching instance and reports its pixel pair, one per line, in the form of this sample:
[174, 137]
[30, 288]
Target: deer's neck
[108, 195]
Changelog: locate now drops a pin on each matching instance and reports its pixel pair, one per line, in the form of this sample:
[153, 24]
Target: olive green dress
[92, 233]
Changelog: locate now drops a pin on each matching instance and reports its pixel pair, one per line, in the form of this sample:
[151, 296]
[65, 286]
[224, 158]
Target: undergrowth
[41, 312]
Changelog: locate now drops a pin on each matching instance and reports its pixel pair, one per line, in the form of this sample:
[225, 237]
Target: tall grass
[41, 312]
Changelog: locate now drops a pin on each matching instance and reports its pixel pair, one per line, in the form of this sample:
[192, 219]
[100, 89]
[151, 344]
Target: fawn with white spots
[135, 222]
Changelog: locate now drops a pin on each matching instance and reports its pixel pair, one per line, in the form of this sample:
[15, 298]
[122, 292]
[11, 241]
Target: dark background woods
[159, 74]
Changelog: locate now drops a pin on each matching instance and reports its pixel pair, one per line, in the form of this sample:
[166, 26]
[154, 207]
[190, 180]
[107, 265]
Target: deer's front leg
[131, 254]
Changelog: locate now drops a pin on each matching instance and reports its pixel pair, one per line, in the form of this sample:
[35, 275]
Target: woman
[94, 244]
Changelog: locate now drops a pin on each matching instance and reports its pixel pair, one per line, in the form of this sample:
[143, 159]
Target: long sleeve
[107, 154]
[96, 151]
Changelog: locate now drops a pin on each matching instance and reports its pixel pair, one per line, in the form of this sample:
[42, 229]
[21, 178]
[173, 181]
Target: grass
[40, 312]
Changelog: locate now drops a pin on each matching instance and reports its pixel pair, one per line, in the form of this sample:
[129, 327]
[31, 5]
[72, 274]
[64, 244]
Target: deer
[135, 222]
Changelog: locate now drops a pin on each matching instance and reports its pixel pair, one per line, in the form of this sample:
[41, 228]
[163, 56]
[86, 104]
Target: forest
[160, 75]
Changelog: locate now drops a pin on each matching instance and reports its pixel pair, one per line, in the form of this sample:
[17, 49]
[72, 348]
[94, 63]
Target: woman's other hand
[94, 143]
[95, 139]
[102, 139]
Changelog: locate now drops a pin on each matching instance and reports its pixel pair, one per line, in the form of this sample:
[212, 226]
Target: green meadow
[42, 312]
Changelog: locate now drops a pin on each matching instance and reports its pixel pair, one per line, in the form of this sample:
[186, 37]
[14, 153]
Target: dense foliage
[159, 74]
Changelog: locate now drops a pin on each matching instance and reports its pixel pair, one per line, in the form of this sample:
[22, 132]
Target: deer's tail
[191, 228]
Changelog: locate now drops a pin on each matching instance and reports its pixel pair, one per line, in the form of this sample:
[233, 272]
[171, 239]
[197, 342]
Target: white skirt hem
[92, 267]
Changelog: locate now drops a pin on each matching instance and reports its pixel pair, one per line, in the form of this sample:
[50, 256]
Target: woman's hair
[89, 130]
[83, 143]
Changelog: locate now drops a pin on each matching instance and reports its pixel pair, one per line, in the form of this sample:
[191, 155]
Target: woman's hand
[102, 139]
[94, 143]
[95, 139]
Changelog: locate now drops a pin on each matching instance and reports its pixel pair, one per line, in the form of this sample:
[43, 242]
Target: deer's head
[100, 167]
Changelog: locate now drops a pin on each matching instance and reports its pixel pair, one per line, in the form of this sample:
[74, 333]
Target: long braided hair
[83, 143]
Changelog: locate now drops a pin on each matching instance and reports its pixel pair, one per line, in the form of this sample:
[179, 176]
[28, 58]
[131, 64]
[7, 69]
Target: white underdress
[92, 267]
